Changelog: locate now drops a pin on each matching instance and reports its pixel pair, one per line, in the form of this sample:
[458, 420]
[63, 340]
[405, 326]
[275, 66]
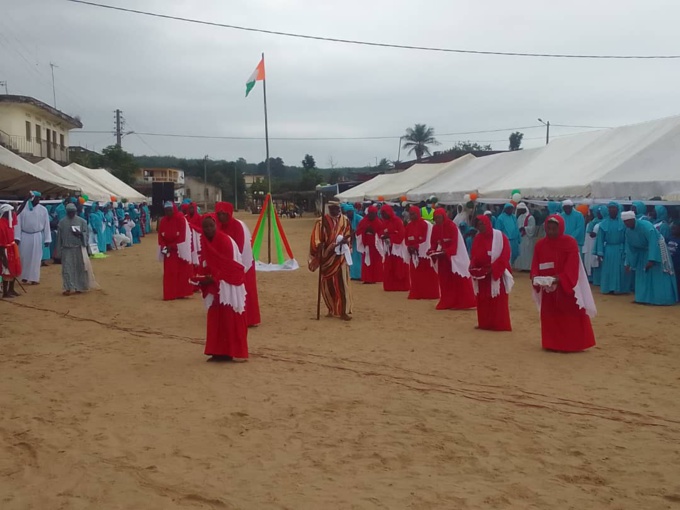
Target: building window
[61, 141]
[188, 192]
[54, 139]
[38, 137]
[28, 131]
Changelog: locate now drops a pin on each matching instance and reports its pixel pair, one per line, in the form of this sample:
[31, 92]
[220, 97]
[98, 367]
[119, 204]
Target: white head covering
[627, 215]
[488, 213]
[567, 202]
[522, 205]
[4, 208]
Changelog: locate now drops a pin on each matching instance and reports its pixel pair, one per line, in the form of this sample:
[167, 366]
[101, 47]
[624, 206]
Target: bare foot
[345, 317]
[66, 293]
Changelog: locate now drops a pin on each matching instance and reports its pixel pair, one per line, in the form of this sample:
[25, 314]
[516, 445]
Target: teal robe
[656, 285]
[507, 223]
[640, 210]
[96, 221]
[109, 225]
[611, 246]
[597, 211]
[575, 226]
[661, 222]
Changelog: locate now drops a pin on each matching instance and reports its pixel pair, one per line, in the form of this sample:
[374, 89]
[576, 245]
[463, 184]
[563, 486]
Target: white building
[35, 130]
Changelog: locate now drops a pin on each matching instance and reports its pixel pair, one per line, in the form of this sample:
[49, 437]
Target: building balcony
[34, 150]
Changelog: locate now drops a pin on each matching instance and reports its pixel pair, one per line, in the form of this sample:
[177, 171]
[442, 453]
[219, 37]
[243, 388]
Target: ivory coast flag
[258, 75]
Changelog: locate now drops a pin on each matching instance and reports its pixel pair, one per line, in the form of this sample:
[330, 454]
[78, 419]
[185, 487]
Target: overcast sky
[174, 77]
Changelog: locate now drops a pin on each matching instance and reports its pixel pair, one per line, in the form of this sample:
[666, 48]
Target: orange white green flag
[258, 75]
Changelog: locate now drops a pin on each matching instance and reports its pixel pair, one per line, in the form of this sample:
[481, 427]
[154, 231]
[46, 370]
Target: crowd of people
[464, 258]
[66, 232]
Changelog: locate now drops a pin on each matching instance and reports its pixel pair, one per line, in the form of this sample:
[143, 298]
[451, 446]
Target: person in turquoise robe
[659, 218]
[96, 222]
[647, 255]
[611, 248]
[574, 223]
[468, 234]
[109, 225]
[507, 223]
[640, 210]
[595, 216]
[137, 230]
[354, 218]
[120, 216]
[554, 208]
[147, 211]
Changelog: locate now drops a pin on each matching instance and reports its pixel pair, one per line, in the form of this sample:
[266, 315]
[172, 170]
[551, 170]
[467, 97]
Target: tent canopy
[358, 193]
[400, 184]
[19, 177]
[118, 187]
[94, 191]
[569, 166]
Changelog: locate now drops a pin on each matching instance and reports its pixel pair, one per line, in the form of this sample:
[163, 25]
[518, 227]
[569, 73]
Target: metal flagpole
[269, 170]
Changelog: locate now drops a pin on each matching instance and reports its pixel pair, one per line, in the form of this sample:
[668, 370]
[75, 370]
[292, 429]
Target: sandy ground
[107, 403]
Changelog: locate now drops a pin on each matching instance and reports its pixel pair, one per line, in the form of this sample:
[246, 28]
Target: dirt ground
[107, 403]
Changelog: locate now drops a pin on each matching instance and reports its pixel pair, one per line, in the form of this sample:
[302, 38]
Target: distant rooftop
[72, 121]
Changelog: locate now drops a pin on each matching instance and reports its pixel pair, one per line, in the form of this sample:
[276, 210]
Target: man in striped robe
[329, 252]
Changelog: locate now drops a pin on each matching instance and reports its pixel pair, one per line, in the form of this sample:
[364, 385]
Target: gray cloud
[169, 76]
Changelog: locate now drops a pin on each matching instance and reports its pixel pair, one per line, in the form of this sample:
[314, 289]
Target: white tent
[570, 166]
[358, 193]
[467, 175]
[18, 177]
[113, 183]
[400, 184]
[88, 186]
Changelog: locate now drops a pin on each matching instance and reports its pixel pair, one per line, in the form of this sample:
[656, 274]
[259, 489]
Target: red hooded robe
[424, 280]
[367, 230]
[565, 326]
[456, 291]
[234, 229]
[395, 269]
[227, 330]
[177, 272]
[493, 313]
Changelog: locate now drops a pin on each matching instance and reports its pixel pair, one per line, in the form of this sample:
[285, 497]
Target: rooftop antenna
[54, 91]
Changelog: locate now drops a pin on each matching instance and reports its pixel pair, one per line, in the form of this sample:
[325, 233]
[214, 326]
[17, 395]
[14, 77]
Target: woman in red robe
[238, 231]
[424, 280]
[223, 285]
[492, 276]
[567, 305]
[10, 261]
[453, 264]
[395, 253]
[174, 239]
[370, 227]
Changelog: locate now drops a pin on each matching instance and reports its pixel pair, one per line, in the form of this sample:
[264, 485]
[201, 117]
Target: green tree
[385, 164]
[469, 146]
[308, 163]
[277, 166]
[418, 139]
[334, 177]
[516, 141]
[122, 164]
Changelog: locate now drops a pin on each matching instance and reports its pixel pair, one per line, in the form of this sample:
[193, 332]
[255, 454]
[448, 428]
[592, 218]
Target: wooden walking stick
[320, 251]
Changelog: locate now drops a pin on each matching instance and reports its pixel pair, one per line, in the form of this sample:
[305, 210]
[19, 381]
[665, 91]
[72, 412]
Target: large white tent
[86, 186]
[97, 192]
[18, 177]
[109, 181]
[468, 174]
[569, 166]
[358, 193]
[400, 184]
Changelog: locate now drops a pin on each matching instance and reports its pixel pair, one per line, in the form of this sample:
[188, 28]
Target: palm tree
[417, 140]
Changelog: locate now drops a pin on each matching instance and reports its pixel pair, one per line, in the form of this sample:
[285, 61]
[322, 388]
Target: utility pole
[54, 91]
[205, 184]
[547, 130]
[235, 189]
[119, 129]
[4, 84]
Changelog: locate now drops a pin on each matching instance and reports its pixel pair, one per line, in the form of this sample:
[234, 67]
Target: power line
[316, 138]
[375, 44]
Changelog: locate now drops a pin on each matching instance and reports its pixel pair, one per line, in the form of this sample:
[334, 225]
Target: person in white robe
[31, 233]
[527, 229]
